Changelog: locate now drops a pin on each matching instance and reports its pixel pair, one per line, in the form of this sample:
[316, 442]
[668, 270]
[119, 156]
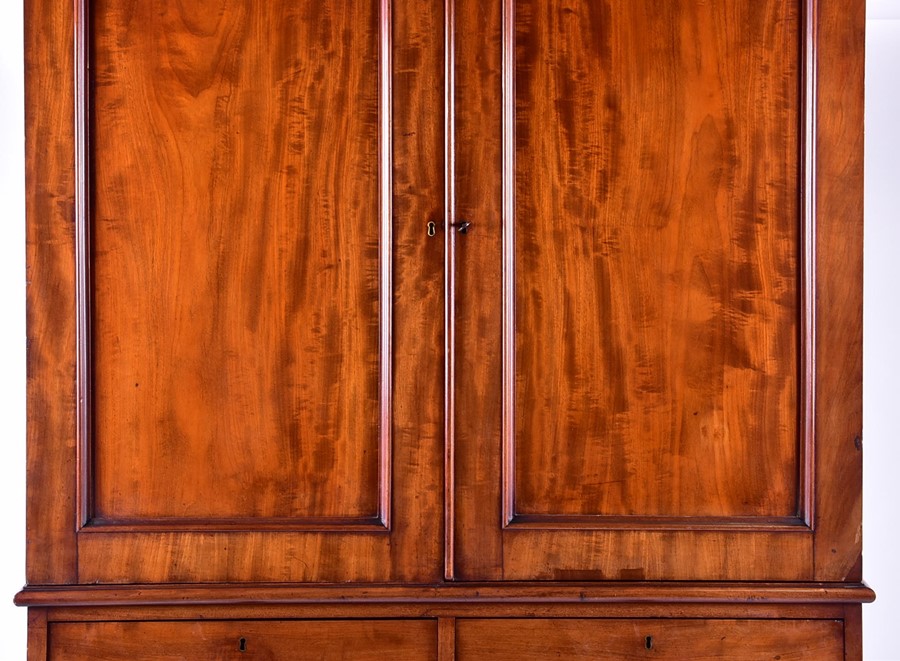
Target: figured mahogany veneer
[655, 279]
[255, 350]
[274, 387]
[237, 186]
[647, 253]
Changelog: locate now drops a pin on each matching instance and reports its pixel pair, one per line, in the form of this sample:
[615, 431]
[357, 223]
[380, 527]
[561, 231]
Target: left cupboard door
[235, 310]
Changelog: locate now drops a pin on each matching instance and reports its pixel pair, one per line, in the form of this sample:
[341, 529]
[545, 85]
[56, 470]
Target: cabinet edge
[632, 592]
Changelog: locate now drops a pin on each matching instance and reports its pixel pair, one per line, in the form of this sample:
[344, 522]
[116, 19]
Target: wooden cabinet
[463, 329]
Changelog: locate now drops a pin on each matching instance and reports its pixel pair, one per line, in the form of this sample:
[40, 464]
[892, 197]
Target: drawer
[245, 640]
[735, 640]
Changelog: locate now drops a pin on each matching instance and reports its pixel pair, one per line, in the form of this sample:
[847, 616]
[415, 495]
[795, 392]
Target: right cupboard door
[638, 363]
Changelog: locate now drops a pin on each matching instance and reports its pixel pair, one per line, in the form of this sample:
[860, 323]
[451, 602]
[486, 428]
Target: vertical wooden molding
[446, 634]
[386, 263]
[37, 634]
[83, 260]
[853, 638]
[807, 382]
[509, 261]
[449, 287]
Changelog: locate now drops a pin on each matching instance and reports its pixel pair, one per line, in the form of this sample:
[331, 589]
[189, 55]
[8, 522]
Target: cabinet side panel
[839, 186]
[50, 187]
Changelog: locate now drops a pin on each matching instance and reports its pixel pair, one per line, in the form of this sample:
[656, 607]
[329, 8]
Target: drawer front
[245, 640]
[735, 640]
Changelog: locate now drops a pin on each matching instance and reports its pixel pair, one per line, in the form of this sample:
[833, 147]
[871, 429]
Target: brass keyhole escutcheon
[431, 228]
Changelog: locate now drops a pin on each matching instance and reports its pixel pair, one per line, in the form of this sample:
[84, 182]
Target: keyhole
[432, 228]
[648, 642]
[242, 645]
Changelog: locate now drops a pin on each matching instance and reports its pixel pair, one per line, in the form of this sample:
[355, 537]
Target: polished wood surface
[744, 630]
[605, 593]
[477, 354]
[273, 389]
[240, 496]
[839, 187]
[51, 552]
[301, 640]
[236, 316]
[37, 633]
[656, 281]
[597, 485]
[460, 609]
[735, 640]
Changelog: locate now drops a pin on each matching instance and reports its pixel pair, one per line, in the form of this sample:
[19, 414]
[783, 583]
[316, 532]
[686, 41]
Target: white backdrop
[881, 341]
[882, 333]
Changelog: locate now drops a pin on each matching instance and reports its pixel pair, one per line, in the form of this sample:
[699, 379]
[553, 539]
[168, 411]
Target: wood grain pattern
[839, 186]
[853, 639]
[236, 261]
[736, 640]
[446, 639]
[273, 331]
[648, 554]
[301, 640]
[37, 634]
[657, 233]
[477, 392]
[418, 416]
[411, 548]
[495, 602]
[705, 502]
[417, 609]
[460, 595]
[50, 314]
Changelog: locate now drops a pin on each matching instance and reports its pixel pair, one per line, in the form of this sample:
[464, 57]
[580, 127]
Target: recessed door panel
[237, 260]
[655, 259]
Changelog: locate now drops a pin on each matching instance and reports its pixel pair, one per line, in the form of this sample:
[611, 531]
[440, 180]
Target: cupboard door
[636, 343]
[258, 336]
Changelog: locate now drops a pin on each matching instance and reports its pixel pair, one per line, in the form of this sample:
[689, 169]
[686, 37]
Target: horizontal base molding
[469, 593]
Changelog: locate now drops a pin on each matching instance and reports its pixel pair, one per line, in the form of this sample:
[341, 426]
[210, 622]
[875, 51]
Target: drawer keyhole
[648, 642]
[242, 644]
